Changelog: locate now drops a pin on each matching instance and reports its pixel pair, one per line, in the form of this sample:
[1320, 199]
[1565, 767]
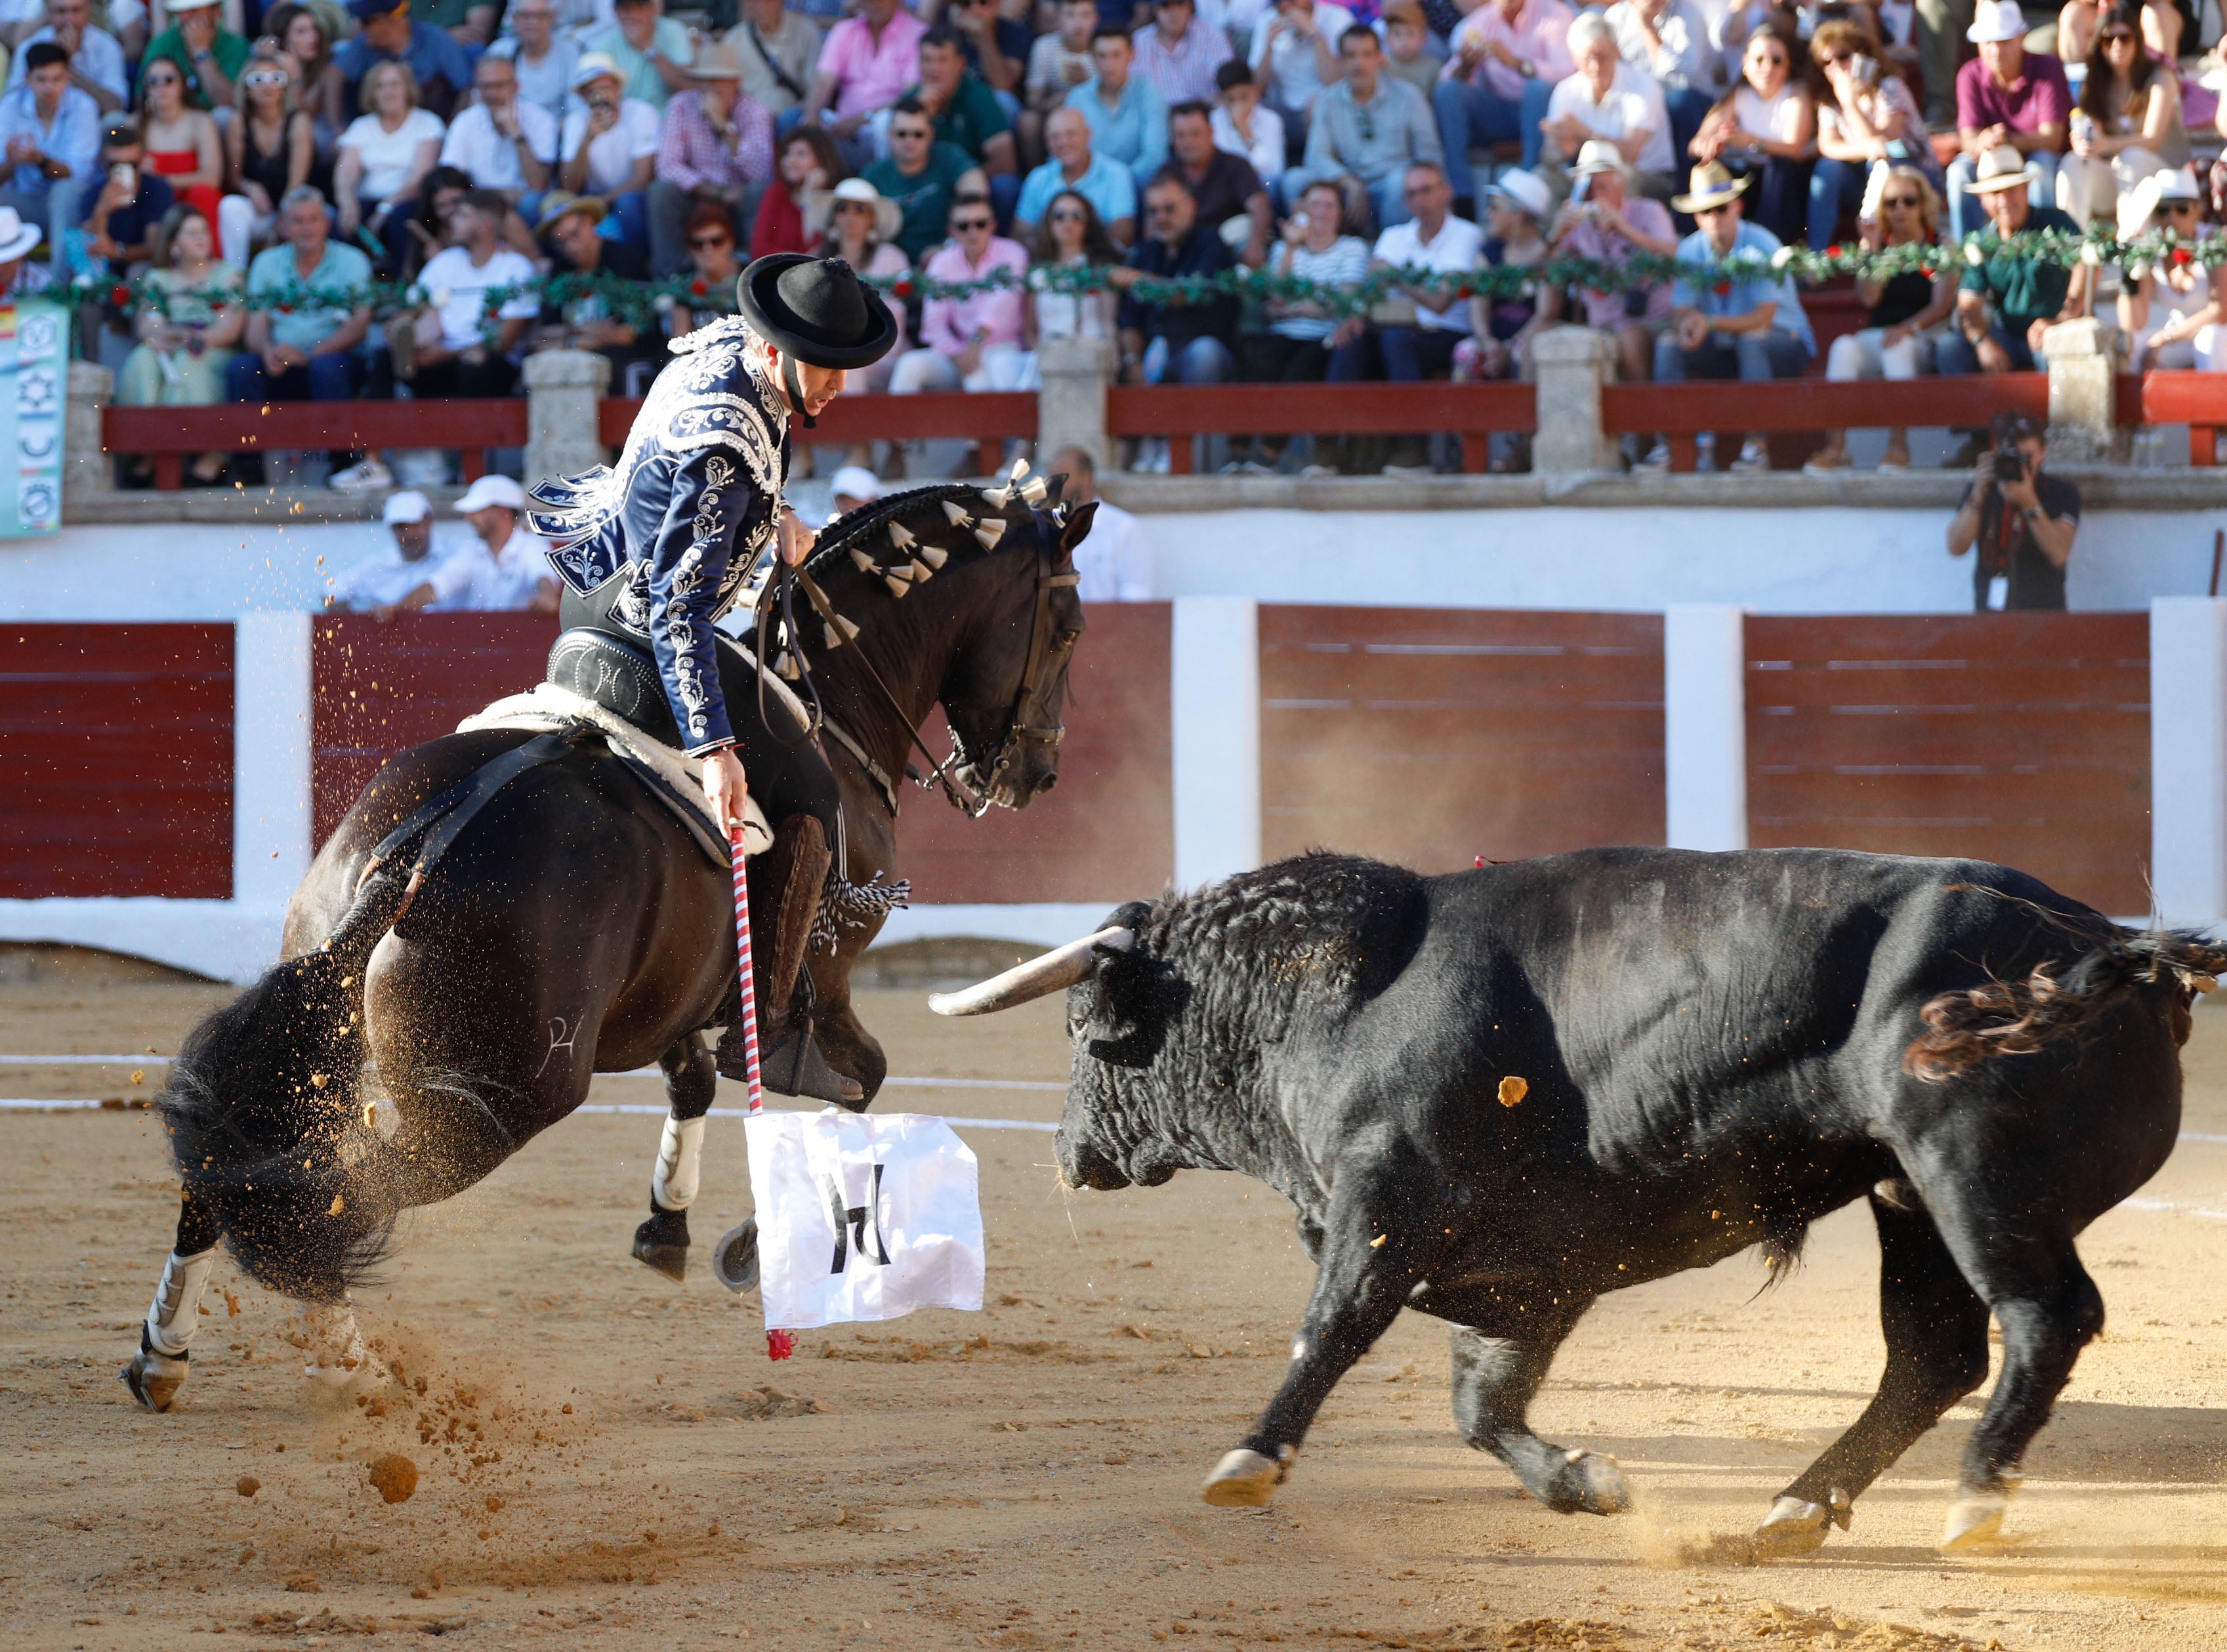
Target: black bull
[1496, 1095]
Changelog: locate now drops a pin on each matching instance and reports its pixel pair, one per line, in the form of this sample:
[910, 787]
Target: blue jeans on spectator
[1005, 195]
[1955, 354]
[1835, 186]
[1689, 107]
[1205, 360]
[1967, 214]
[628, 221]
[1750, 357]
[335, 377]
[1468, 114]
[1413, 353]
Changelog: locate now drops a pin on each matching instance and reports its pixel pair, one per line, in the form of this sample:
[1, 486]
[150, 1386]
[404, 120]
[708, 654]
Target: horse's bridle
[1046, 669]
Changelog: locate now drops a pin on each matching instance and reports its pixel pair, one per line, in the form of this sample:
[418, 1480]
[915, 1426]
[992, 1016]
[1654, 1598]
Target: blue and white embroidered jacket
[683, 518]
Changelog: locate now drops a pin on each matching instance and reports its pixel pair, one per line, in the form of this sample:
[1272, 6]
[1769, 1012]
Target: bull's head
[1119, 1002]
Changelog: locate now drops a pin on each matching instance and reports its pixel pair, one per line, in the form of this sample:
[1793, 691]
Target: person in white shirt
[464, 362]
[96, 60]
[544, 59]
[1607, 98]
[1294, 56]
[406, 576]
[1244, 125]
[1434, 239]
[1115, 559]
[609, 145]
[502, 142]
[510, 570]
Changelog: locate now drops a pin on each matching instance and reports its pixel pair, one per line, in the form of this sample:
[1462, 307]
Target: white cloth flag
[863, 1216]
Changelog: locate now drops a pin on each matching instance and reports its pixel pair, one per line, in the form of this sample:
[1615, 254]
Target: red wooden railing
[1472, 411]
[1681, 412]
[2196, 399]
[166, 435]
[991, 418]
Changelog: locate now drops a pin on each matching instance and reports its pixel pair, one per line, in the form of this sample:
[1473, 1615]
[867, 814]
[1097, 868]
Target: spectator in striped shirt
[1178, 55]
[1303, 334]
[717, 145]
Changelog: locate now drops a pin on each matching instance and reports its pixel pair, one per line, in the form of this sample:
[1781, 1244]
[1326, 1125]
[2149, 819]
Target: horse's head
[976, 586]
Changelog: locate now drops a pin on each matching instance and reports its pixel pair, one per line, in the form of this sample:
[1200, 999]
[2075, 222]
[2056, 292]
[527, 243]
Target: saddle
[617, 676]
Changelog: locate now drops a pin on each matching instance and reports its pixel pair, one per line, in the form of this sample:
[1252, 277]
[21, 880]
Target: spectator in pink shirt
[865, 64]
[1507, 56]
[975, 343]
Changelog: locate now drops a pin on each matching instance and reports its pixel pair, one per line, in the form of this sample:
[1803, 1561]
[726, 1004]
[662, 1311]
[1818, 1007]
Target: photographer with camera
[2021, 520]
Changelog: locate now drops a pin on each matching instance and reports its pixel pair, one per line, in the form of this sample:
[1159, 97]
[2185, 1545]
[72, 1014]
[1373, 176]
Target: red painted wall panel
[115, 760]
[381, 689]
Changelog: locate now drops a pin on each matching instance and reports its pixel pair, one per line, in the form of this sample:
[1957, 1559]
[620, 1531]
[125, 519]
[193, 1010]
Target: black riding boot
[790, 1061]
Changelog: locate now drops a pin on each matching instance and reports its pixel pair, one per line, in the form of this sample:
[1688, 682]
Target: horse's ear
[1077, 528]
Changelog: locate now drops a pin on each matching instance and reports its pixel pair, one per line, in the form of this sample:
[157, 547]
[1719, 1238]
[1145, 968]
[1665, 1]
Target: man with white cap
[404, 574]
[1609, 222]
[2007, 95]
[2009, 299]
[853, 488]
[510, 567]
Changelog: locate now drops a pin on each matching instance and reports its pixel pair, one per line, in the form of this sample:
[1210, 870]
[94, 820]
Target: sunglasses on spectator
[1842, 56]
[1066, 215]
[266, 78]
[1771, 57]
[2116, 37]
[162, 80]
[706, 243]
[961, 226]
[1898, 201]
[2178, 207]
[908, 134]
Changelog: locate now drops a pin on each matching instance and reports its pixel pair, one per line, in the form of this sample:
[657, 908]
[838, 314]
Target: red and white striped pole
[780, 1344]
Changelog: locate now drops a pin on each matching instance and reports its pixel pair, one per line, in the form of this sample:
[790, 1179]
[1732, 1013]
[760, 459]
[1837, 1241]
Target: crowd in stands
[213, 149]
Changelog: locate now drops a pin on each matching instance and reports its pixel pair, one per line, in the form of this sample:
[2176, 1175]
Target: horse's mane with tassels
[875, 518]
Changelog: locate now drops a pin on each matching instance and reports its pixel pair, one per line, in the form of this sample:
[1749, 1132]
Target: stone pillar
[2188, 759]
[562, 389]
[1071, 405]
[88, 473]
[2083, 357]
[1572, 364]
[1215, 708]
[1705, 725]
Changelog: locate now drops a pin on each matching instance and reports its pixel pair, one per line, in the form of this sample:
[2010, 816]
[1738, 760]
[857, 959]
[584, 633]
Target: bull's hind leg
[690, 1084]
[1937, 1353]
[157, 1371]
[1496, 1370]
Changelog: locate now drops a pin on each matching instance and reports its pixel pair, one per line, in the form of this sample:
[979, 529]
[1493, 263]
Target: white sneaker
[422, 467]
[1753, 455]
[1658, 456]
[369, 475]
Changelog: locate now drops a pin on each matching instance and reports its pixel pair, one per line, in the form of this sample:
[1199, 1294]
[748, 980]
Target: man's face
[307, 226]
[465, 224]
[1598, 64]
[1427, 195]
[49, 83]
[1173, 17]
[1193, 139]
[1110, 55]
[1406, 40]
[2007, 208]
[637, 21]
[1169, 213]
[2033, 450]
[972, 224]
[1240, 99]
[1066, 134]
[575, 237]
[69, 17]
[536, 21]
[605, 89]
[1364, 61]
[497, 83]
[821, 385]
[940, 66]
[766, 13]
[2006, 59]
[1077, 23]
[1071, 462]
[1605, 187]
[910, 135]
[414, 538]
[389, 32]
[718, 97]
[878, 13]
[1722, 224]
[491, 521]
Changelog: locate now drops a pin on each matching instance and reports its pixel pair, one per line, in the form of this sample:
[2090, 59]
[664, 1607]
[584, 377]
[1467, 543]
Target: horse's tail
[1999, 1017]
[266, 1127]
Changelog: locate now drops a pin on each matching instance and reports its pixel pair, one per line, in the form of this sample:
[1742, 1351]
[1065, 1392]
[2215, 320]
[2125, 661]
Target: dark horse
[575, 926]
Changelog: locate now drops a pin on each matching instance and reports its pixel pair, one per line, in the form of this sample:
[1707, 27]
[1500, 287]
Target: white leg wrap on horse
[175, 1314]
[679, 1161]
[333, 1348]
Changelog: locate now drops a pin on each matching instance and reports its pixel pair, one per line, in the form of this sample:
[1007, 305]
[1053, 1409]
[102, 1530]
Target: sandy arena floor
[607, 1460]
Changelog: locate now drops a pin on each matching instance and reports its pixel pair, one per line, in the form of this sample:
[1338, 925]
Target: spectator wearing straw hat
[860, 226]
[2007, 96]
[1608, 221]
[2170, 311]
[716, 145]
[1752, 328]
[2011, 298]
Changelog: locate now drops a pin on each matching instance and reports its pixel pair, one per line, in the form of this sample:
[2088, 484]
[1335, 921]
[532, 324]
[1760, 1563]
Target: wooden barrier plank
[1107, 832]
[382, 689]
[116, 741]
[1812, 405]
[2196, 399]
[2019, 739]
[1430, 736]
[166, 433]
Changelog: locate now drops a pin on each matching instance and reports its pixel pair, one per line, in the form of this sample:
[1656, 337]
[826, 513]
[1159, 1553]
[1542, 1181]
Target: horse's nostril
[1046, 782]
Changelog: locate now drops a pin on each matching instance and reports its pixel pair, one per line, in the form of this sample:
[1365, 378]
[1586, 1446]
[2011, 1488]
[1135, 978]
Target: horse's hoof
[1975, 1520]
[1601, 1487]
[735, 1258]
[671, 1261]
[154, 1379]
[1244, 1480]
[1793, 1527]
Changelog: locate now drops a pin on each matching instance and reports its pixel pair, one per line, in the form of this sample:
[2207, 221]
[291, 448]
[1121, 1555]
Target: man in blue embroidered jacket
[658, 547]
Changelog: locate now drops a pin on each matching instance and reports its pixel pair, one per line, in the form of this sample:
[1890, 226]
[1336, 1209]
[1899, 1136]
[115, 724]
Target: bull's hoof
[1793, 1527]
[1975, 1520]
[1600, 1487]
[1244, 1480]
[154, 1379]
[735, 1258]
[671, 1261]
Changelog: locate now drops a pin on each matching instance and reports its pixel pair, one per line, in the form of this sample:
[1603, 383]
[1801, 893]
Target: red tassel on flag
[780, 1344]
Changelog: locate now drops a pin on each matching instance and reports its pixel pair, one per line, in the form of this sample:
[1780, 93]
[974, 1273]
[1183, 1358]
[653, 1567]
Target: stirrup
[793, 1064]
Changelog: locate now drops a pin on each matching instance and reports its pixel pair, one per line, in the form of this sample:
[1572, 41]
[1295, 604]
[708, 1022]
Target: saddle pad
[549, 708]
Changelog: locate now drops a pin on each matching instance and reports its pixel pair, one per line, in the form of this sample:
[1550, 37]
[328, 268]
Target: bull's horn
[1054, 972]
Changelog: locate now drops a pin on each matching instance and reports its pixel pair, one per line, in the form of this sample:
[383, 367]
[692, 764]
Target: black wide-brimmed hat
[817, 310]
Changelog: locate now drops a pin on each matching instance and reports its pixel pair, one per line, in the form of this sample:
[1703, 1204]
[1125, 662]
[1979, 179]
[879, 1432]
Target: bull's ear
[1077, 528]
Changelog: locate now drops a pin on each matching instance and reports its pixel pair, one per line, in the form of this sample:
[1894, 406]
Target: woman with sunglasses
[1896, 340]
[860, 226]
[186, 345]
[1071, 237]
[318, 90]
[1766, 126]
[271, 145]
[714, 264]
[2171, 311]
[2127, 124]
[183, 146]
[1870, 120]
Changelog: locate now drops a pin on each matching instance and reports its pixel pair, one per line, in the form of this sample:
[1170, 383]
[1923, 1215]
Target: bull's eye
[1077, 1025]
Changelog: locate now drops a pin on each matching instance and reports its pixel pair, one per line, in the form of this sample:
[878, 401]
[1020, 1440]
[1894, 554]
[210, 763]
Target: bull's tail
[2000, 1018]
[264, 1122]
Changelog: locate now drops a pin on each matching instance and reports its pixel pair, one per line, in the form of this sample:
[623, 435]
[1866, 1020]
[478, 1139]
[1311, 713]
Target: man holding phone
[2020, 520]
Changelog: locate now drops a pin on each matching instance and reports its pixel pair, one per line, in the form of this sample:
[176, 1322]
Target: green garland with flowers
[641, 302]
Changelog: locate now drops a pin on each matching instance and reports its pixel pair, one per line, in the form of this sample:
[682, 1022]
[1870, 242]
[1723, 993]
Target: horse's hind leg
[691, 1081]
[157, 1371]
